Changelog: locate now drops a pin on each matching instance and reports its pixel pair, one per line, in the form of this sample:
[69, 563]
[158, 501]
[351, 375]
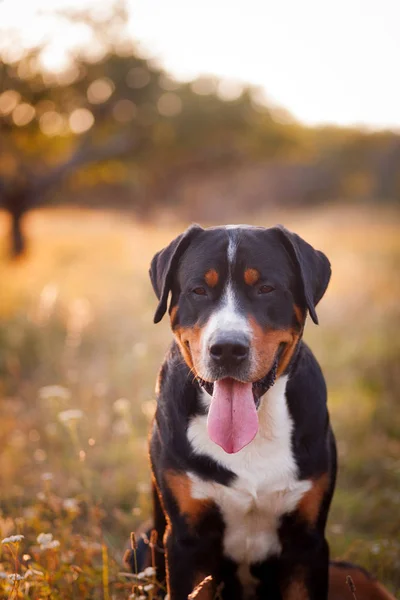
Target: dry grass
[77, 314]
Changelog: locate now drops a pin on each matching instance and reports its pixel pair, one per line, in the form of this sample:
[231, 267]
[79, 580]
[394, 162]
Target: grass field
[78, 359]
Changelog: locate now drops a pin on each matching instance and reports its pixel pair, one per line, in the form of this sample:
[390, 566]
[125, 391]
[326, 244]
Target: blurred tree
[144, 132]
[108, 104]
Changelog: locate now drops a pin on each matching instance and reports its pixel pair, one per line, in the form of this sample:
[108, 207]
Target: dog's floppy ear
[163, 265]
[313, 267]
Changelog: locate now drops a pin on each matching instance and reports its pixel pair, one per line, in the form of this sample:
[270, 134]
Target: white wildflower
[31, 572]
[149, 587]
[149, 571]
[54, 392]
[3, 575]
[71, 505]
[44, 538]
[141, 575]
[46, 541]
[15, 577]
[67, 416]
[12, 539]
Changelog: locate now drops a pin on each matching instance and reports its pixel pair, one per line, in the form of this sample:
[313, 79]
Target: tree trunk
[18, 243]
[17, 203]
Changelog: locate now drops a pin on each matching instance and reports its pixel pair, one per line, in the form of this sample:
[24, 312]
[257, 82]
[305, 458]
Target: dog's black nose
[229, 351]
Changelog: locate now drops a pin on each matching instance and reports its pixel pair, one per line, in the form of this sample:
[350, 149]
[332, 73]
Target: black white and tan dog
[242, 452]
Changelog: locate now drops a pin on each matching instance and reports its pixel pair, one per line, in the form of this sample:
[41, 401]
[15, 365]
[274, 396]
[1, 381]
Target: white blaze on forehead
[232, 247]
[227, 318]
[232, 241]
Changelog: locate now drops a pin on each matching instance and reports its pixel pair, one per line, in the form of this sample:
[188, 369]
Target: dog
[242, 452]
[346, 580]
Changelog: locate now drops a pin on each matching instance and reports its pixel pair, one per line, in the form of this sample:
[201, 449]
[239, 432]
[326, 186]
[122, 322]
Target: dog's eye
[199, 291]
[265, 289]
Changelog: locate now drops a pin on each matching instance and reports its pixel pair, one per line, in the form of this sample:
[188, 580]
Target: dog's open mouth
[258, 387]
[232, 421]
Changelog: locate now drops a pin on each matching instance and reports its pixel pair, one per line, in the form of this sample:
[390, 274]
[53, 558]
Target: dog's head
[239, 299]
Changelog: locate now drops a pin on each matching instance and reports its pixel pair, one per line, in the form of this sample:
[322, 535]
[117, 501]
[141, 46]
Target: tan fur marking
[172, 315]
[251, 276]
[181, 488]
[310, 503]
[266, 344]
[296, 590]
[287, 354]
[159, 381]
[189, 341]
[211, 278]
[299, 314]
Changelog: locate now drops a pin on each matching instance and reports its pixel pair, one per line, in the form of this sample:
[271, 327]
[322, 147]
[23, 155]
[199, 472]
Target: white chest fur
[266, 486]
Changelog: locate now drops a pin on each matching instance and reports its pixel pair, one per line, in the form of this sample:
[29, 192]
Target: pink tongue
[232, 419]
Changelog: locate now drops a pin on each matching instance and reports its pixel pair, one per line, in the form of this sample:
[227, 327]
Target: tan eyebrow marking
[211, 278]
[251, 276]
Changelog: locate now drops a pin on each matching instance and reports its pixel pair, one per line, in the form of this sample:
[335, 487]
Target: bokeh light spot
[204, 86]
[12, 53]
[80, 120]
[124, 111]
[100, 90]
[167, 83]
[23, 114]
[229, 89]
[259, 99]
[137, 78]
[51, 123]
[8, 101]
[68, 75]
[95, 51]
[40, 455]
[169, 105]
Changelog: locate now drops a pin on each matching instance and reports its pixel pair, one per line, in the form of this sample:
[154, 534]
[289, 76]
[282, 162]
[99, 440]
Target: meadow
[79, 356]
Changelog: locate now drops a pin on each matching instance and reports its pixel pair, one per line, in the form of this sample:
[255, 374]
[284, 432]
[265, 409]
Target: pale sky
[333, 61]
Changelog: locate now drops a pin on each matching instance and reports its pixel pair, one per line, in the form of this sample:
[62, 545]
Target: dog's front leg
[304, 569]
[188, 562]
